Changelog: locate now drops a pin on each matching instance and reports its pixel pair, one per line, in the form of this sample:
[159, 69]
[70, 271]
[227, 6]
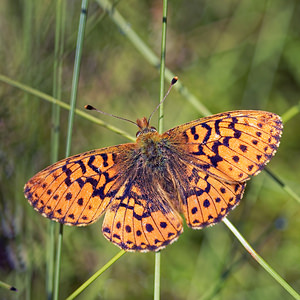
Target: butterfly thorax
[153, 150]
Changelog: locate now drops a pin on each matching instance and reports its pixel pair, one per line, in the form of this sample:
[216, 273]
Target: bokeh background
[229, 54]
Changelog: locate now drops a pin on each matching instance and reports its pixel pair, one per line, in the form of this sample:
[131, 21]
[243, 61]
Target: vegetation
[228, 55]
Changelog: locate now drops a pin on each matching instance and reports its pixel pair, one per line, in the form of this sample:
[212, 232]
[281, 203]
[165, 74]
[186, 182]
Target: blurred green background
[231, 55]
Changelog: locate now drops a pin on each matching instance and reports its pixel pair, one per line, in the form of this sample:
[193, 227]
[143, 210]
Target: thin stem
[291, 113]
[29, 10]
[50, 259]
[57, 84]
[96, 275]
[57, 263]
[160, 128]
[64, 105]
[285, 187]
[7, 286]
[75, 80]
[148, 54]
[76, 71]
[163, 64]
[57, 72]
[261, 261]
[157, 276]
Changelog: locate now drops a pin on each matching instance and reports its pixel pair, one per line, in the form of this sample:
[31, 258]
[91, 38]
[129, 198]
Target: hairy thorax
[153, 152]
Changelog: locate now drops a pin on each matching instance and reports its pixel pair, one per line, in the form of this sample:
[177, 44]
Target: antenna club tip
[89, 107]
[174, 80]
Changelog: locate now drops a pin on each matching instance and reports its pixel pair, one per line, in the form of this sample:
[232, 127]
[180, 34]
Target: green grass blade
[64, 105]
[7, 286]
[271, 42]
[163, 65]
[283, 185]
[261, 261]
[57, 87]
[27, 58]
[156, 294]
[57, 77]
[57, 263]
[291, 113]
[75, 80]
[50, 254]
[76, 71]
[148, 54]
[95, 276]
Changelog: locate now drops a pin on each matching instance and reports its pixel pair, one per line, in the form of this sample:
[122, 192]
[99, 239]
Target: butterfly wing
[205, 199]
[231, 146]
[216, 155]
[139, 220]
[78, 189]
[209, 161]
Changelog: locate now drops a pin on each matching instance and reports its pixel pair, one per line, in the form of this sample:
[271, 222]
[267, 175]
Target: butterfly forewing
[230, 146]
[77, 190]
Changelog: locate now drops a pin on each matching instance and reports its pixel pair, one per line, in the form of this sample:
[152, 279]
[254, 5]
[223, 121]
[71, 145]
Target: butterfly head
[144, 126]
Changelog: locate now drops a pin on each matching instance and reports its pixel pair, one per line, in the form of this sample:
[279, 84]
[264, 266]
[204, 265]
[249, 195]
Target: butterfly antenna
[90, 107]
[173, 81]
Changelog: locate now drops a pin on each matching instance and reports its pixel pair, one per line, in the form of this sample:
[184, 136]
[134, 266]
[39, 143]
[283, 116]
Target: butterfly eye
[145, 130]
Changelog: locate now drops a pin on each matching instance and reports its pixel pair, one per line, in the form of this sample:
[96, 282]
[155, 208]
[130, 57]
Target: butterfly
[198, 170]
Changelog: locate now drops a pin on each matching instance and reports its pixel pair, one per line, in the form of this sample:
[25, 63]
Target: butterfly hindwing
[137, 222]
[207, 199]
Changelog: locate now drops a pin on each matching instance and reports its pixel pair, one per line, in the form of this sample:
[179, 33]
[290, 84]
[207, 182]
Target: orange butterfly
[198, 169]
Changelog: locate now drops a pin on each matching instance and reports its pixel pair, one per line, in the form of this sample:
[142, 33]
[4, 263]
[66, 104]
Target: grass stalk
[57, 87]
[96, 275]
[285, 187]
[156, 295]
[291, 113]
[57, 263]
[275, 46]
[148, 54]
[64, 105]
[163, 65]
[160, 128]
[7, 286]
[261, 261]
[50, 253]
[28, 48]
[76, 72]
[74, 88]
